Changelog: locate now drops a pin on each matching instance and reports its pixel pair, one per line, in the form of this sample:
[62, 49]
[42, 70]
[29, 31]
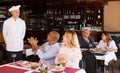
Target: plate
[57, 68]
[30, 64]
[99, 53]
[26, 64]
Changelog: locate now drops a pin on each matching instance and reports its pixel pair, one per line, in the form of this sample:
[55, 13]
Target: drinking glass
[14, 57]
[63, 63]
[43, 69]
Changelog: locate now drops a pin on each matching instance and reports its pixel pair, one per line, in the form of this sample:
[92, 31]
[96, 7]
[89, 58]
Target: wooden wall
[112, 16]
[1, 37]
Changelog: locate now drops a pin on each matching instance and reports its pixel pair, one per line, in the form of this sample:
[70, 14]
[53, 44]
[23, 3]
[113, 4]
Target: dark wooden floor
[117, 66]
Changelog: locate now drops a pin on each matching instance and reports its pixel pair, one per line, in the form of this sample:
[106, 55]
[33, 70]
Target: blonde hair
[72, 39]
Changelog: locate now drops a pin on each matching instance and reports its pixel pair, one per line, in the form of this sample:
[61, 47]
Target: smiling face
[65, 38]
[53, 37]
[86, 33]
[70, 39]
[15, 13]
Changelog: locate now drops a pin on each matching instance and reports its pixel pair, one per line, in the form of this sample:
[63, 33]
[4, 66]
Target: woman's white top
[14, 32]
[73, 56]
[103, 44]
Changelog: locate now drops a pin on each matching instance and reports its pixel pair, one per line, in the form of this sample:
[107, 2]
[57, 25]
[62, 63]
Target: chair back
[90, 62]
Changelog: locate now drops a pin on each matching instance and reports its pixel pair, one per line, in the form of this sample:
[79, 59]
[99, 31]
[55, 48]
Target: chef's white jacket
[13, 33]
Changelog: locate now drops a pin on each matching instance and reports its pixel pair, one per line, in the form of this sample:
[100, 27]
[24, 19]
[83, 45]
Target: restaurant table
[107, 57]
[16, 68]
[104, 57]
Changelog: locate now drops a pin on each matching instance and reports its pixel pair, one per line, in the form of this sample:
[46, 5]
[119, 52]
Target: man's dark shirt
[84, 44]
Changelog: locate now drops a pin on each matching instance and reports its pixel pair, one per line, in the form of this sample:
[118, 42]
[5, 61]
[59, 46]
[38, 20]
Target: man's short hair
[55, 35]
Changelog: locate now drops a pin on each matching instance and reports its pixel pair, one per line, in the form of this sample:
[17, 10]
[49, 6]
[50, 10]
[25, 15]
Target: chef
[13, 33]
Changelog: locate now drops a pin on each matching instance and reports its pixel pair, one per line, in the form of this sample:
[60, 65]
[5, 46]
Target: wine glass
[13, 57]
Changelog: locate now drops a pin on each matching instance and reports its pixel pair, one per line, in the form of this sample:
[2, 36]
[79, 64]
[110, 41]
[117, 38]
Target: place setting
[98, 52]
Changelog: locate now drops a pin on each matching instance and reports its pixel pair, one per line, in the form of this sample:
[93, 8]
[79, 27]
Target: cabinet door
[3, 15]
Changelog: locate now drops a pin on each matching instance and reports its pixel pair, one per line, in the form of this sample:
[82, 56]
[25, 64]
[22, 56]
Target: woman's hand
[111, 49]
[61, 57]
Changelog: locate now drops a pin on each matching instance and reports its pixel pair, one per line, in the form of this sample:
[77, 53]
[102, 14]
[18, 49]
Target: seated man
[48, 50]
[86, 41]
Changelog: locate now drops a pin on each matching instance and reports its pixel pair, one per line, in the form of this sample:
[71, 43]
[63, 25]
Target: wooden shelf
[72, 18]
[65, 14]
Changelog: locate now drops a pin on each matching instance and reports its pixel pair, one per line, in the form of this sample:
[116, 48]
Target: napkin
[81, 71]
[29, 52]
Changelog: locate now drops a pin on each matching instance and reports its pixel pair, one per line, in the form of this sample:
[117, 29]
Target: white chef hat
[14, 8]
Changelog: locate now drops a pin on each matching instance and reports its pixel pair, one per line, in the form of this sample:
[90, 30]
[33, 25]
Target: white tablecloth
[81, 71]
[107, 57]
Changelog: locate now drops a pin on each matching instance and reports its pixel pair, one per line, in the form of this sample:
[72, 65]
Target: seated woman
[106, 43]
[70, 52]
